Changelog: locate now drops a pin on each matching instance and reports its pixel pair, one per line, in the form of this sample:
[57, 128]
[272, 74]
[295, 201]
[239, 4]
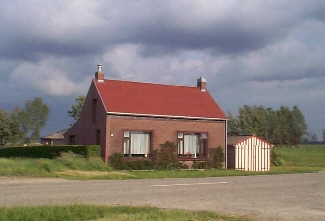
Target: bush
[163, 159]
[276, 159]
[116, 160]
[217, 158]
[201, 165]
[140, 165]
[166, 157]
[50, 152]
[278, 162]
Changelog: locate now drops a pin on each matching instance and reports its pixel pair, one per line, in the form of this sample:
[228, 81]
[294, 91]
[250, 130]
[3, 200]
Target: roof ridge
[151, 83]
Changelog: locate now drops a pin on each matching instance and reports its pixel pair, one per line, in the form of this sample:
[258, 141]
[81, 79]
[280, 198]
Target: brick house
[134, 118]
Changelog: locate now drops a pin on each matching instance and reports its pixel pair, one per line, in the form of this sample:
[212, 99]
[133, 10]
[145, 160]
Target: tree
[299, 126]
[76, 108]
[16, 133]
[323, 136]
[5, 131]
[20, 117]
[283, 126]
[232, 124]
[314, 138]
[31, 119]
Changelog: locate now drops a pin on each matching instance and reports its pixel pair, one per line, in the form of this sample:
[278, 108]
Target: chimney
[99, 75]
[202, 84]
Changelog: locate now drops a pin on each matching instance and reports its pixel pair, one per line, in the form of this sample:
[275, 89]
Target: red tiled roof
[157, 99]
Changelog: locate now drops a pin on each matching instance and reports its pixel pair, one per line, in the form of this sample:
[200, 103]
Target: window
[192, 145]
[136, 143]
[94, 110]
[97, 137]
[72, 139]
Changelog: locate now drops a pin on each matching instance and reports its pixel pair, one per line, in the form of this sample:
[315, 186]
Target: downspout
[226, 147]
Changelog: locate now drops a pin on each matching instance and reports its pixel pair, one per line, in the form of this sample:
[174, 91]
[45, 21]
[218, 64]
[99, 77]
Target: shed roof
[233, 140]
[157, 99]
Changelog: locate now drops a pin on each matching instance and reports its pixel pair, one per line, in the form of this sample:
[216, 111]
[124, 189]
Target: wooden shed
[248, 153]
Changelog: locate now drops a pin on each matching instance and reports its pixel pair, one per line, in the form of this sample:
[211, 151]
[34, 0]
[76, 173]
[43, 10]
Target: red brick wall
[85, 128]
[162, 130]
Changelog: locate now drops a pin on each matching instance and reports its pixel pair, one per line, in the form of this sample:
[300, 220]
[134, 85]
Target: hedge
[50, 151]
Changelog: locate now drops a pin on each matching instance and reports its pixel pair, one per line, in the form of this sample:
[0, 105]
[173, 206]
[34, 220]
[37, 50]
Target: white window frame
[189, 144]
[136, 143]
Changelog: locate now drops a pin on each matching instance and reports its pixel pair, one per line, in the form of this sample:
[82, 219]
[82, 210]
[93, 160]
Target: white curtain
[140, 143]
[126, 146]
[191, 144]
[180, 147]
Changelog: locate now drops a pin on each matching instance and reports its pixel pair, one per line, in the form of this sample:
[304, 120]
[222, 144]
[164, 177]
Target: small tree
[314, 138]
[76, 108]
[27, 122]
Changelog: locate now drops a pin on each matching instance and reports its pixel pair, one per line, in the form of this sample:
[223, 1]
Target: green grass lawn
[106, 213]
[302, 155]
[300, 159]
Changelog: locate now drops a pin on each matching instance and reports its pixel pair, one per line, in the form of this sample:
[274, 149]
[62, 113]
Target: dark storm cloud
[256, 52]
[310, 73]
[37, 48]
[159, 31]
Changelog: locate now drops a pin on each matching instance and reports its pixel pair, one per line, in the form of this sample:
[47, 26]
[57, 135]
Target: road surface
[265, 197]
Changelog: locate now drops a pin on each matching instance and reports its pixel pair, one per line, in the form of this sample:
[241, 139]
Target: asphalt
[263, 197]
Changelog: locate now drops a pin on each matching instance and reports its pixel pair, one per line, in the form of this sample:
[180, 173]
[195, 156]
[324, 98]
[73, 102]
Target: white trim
[165, 116]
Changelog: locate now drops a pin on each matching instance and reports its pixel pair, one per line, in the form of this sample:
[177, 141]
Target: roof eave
[165, 116]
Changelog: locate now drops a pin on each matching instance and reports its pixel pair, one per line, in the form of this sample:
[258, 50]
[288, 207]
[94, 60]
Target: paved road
[270, 197]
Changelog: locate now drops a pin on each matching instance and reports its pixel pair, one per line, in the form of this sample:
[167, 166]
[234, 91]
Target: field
[302, 155]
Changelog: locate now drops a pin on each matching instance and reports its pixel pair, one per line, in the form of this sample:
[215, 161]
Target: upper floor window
[192, 145]
[94, 110]
[136, 143]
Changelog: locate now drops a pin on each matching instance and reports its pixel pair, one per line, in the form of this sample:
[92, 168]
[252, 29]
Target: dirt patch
[94, 173]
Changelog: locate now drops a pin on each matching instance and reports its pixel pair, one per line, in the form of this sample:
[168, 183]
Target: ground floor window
[192, 145]
[72, 139]
[136, 143]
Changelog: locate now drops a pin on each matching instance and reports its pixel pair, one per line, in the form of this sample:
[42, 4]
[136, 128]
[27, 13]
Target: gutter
[165, 116]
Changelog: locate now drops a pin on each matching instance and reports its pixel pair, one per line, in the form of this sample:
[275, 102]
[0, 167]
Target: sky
[256, 52]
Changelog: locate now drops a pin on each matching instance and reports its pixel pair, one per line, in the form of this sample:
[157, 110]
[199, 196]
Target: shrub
[166, 157]
[276, 159]
[116, 160]
[140, 165]
[278, 162]
[163, 159]
[49, 152]
[201, 165]
[217, 157]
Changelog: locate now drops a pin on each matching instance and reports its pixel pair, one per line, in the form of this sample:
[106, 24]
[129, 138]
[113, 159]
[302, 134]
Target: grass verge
[301, 159]
[106, 213]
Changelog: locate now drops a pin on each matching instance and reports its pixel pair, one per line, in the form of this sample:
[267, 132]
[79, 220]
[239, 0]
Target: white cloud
[46, 79]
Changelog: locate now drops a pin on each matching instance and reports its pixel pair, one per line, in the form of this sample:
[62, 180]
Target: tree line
[23, 125]
[283, 126]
